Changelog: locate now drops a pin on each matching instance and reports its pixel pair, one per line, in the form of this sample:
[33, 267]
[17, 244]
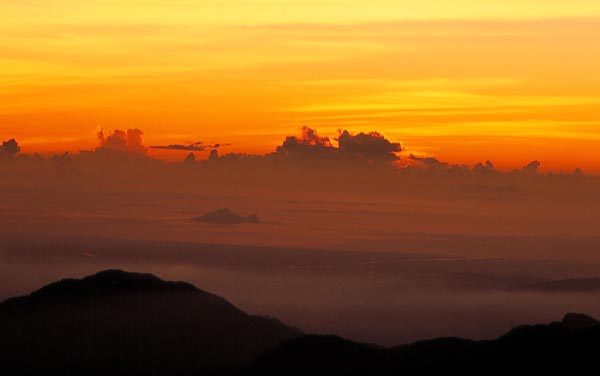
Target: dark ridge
[226, 216]
[115, 321]
[106, 282]
[576, 322]
[568, 346]
[323, 354]
[570, 324]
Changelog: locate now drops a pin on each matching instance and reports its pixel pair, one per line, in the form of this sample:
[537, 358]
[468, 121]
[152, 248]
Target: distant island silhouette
[116, 322]
[227, 217]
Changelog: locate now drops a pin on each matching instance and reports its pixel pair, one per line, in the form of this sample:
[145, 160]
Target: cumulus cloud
[372, 147]
[362, 147]
[310, 137]
[308, 143]
[129, 141]
[10, 148]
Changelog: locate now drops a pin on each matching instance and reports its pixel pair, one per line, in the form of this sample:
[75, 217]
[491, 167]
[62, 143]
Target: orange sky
[506, 80]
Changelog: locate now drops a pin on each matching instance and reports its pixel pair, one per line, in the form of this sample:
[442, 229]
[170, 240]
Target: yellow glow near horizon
[464, 81]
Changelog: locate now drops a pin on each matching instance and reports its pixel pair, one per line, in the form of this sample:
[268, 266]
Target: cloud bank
[364, 155]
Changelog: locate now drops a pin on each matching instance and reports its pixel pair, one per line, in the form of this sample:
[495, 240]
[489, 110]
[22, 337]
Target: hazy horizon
[349, 237]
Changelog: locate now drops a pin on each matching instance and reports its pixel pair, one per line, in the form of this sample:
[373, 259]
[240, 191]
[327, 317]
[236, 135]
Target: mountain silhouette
[114, 321]
[226, 216]
[117, 323]
[571, 345]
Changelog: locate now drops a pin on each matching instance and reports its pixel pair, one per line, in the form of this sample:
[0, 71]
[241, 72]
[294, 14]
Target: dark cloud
[578, 173]
[190, 159]
[486, 168]
[217, 145]
[193, 147]
[309, 147]
[309, 141]
[196, 146]
[372, 147]
[310, 137]
[362, 147]
[532, 167]
[129, 141]
[430, 162]
[10, 148]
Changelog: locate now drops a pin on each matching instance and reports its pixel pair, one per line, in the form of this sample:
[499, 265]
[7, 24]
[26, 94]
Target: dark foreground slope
[122, 323]
[117, 321]
[571, 346]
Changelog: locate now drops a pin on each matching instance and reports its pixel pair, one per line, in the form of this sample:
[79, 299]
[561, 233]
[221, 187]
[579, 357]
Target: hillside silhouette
[115, 322]
[226, 216]
[568, 346]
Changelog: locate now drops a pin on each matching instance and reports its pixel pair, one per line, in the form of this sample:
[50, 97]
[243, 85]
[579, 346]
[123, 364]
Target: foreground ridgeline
[116, 322]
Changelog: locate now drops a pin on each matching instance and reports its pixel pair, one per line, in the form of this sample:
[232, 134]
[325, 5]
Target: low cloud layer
[370, 152]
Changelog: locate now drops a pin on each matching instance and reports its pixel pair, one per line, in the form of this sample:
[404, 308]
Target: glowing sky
[462, 80]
